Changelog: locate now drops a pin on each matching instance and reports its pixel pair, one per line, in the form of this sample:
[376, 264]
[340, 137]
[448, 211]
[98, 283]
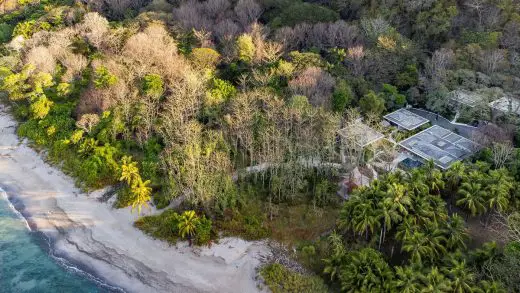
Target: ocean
[28, 265]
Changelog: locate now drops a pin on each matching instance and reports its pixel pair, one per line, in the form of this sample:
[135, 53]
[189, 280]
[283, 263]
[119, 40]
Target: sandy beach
[104, 240]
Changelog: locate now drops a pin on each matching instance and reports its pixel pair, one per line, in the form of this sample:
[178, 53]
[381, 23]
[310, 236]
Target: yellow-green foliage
[41, 107]
[245, 48]
[139, 189]
[204, 58]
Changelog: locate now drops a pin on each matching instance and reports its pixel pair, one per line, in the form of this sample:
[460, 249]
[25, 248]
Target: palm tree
[498, 189]
[188, 224]
[419, 247]
[435, 181]
[462, 278]
[456, 232]
[366, 219]
[472, 198]
[394, 207]
[407, 228]
[408, 279]
[142, 194]
[336, 260]
[490, 287]
[436, 282]
[366, 271]
[436, 239]
[129, 171]
[455, 174]
[416, 182]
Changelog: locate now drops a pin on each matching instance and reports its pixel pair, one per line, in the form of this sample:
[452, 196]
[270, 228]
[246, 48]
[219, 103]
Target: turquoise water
[26, 266]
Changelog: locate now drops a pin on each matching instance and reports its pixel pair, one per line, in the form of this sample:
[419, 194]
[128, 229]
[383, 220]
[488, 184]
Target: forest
[222, 117]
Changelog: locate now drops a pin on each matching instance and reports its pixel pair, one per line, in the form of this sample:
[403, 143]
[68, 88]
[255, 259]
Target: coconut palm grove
[267, 120]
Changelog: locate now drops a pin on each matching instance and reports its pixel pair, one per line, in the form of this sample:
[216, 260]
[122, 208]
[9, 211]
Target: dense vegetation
[225, 114]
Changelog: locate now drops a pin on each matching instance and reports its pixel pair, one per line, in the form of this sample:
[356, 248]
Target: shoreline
[102, 239]
[46, 243]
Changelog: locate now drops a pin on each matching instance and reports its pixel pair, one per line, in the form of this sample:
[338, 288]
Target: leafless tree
[314, 83]
[374, 27]
[511, 35]
[95, 28]
[247, 12]
[478, 6]
[320, 35]
[436, 67]
[42, 59]
[87, 122]
[493, 60]
[502, 153]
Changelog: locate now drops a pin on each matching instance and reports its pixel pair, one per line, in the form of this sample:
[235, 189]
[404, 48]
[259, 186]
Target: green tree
[153, 85]
[393, 99]
[461, 277]
[472, 197]
[366, 271]
[342, 96]
[245, 48]
[456, 232]
[408, 279]
[103, 78]
[436, 282]
[372, 103]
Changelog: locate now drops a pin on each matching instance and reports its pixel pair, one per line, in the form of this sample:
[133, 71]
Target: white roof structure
[506, 105]
[360, 133]
[467, 98]
[441, 145]
[406, 119]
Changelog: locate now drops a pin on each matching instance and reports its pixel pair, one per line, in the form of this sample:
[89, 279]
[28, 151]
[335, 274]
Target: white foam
[11, 206]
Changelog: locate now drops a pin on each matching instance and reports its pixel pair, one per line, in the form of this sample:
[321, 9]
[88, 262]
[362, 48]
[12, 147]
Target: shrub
[203, 231]
[6, 31]
[280, 280]
[41, 107]
[163, 226]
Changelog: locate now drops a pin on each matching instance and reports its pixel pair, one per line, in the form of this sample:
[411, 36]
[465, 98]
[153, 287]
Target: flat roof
[441, 145]
[406, 119]
[361, 133]
[506, 105]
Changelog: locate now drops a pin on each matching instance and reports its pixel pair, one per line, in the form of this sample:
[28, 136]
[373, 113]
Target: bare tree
[95, 28]
[247, 12]
[42, 59]
[314, 83]
[511, 35]
[502, 153]
[492, 60]
[87, 122]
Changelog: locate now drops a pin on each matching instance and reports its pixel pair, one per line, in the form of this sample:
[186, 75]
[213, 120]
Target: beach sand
[103, 239]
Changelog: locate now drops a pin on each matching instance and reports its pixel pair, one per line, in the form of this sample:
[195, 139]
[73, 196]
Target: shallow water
[27, 266]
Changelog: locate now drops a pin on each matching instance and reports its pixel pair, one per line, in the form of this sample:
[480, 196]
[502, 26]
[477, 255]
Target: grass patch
[163, 226]
[280, 280]
[289, 224]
